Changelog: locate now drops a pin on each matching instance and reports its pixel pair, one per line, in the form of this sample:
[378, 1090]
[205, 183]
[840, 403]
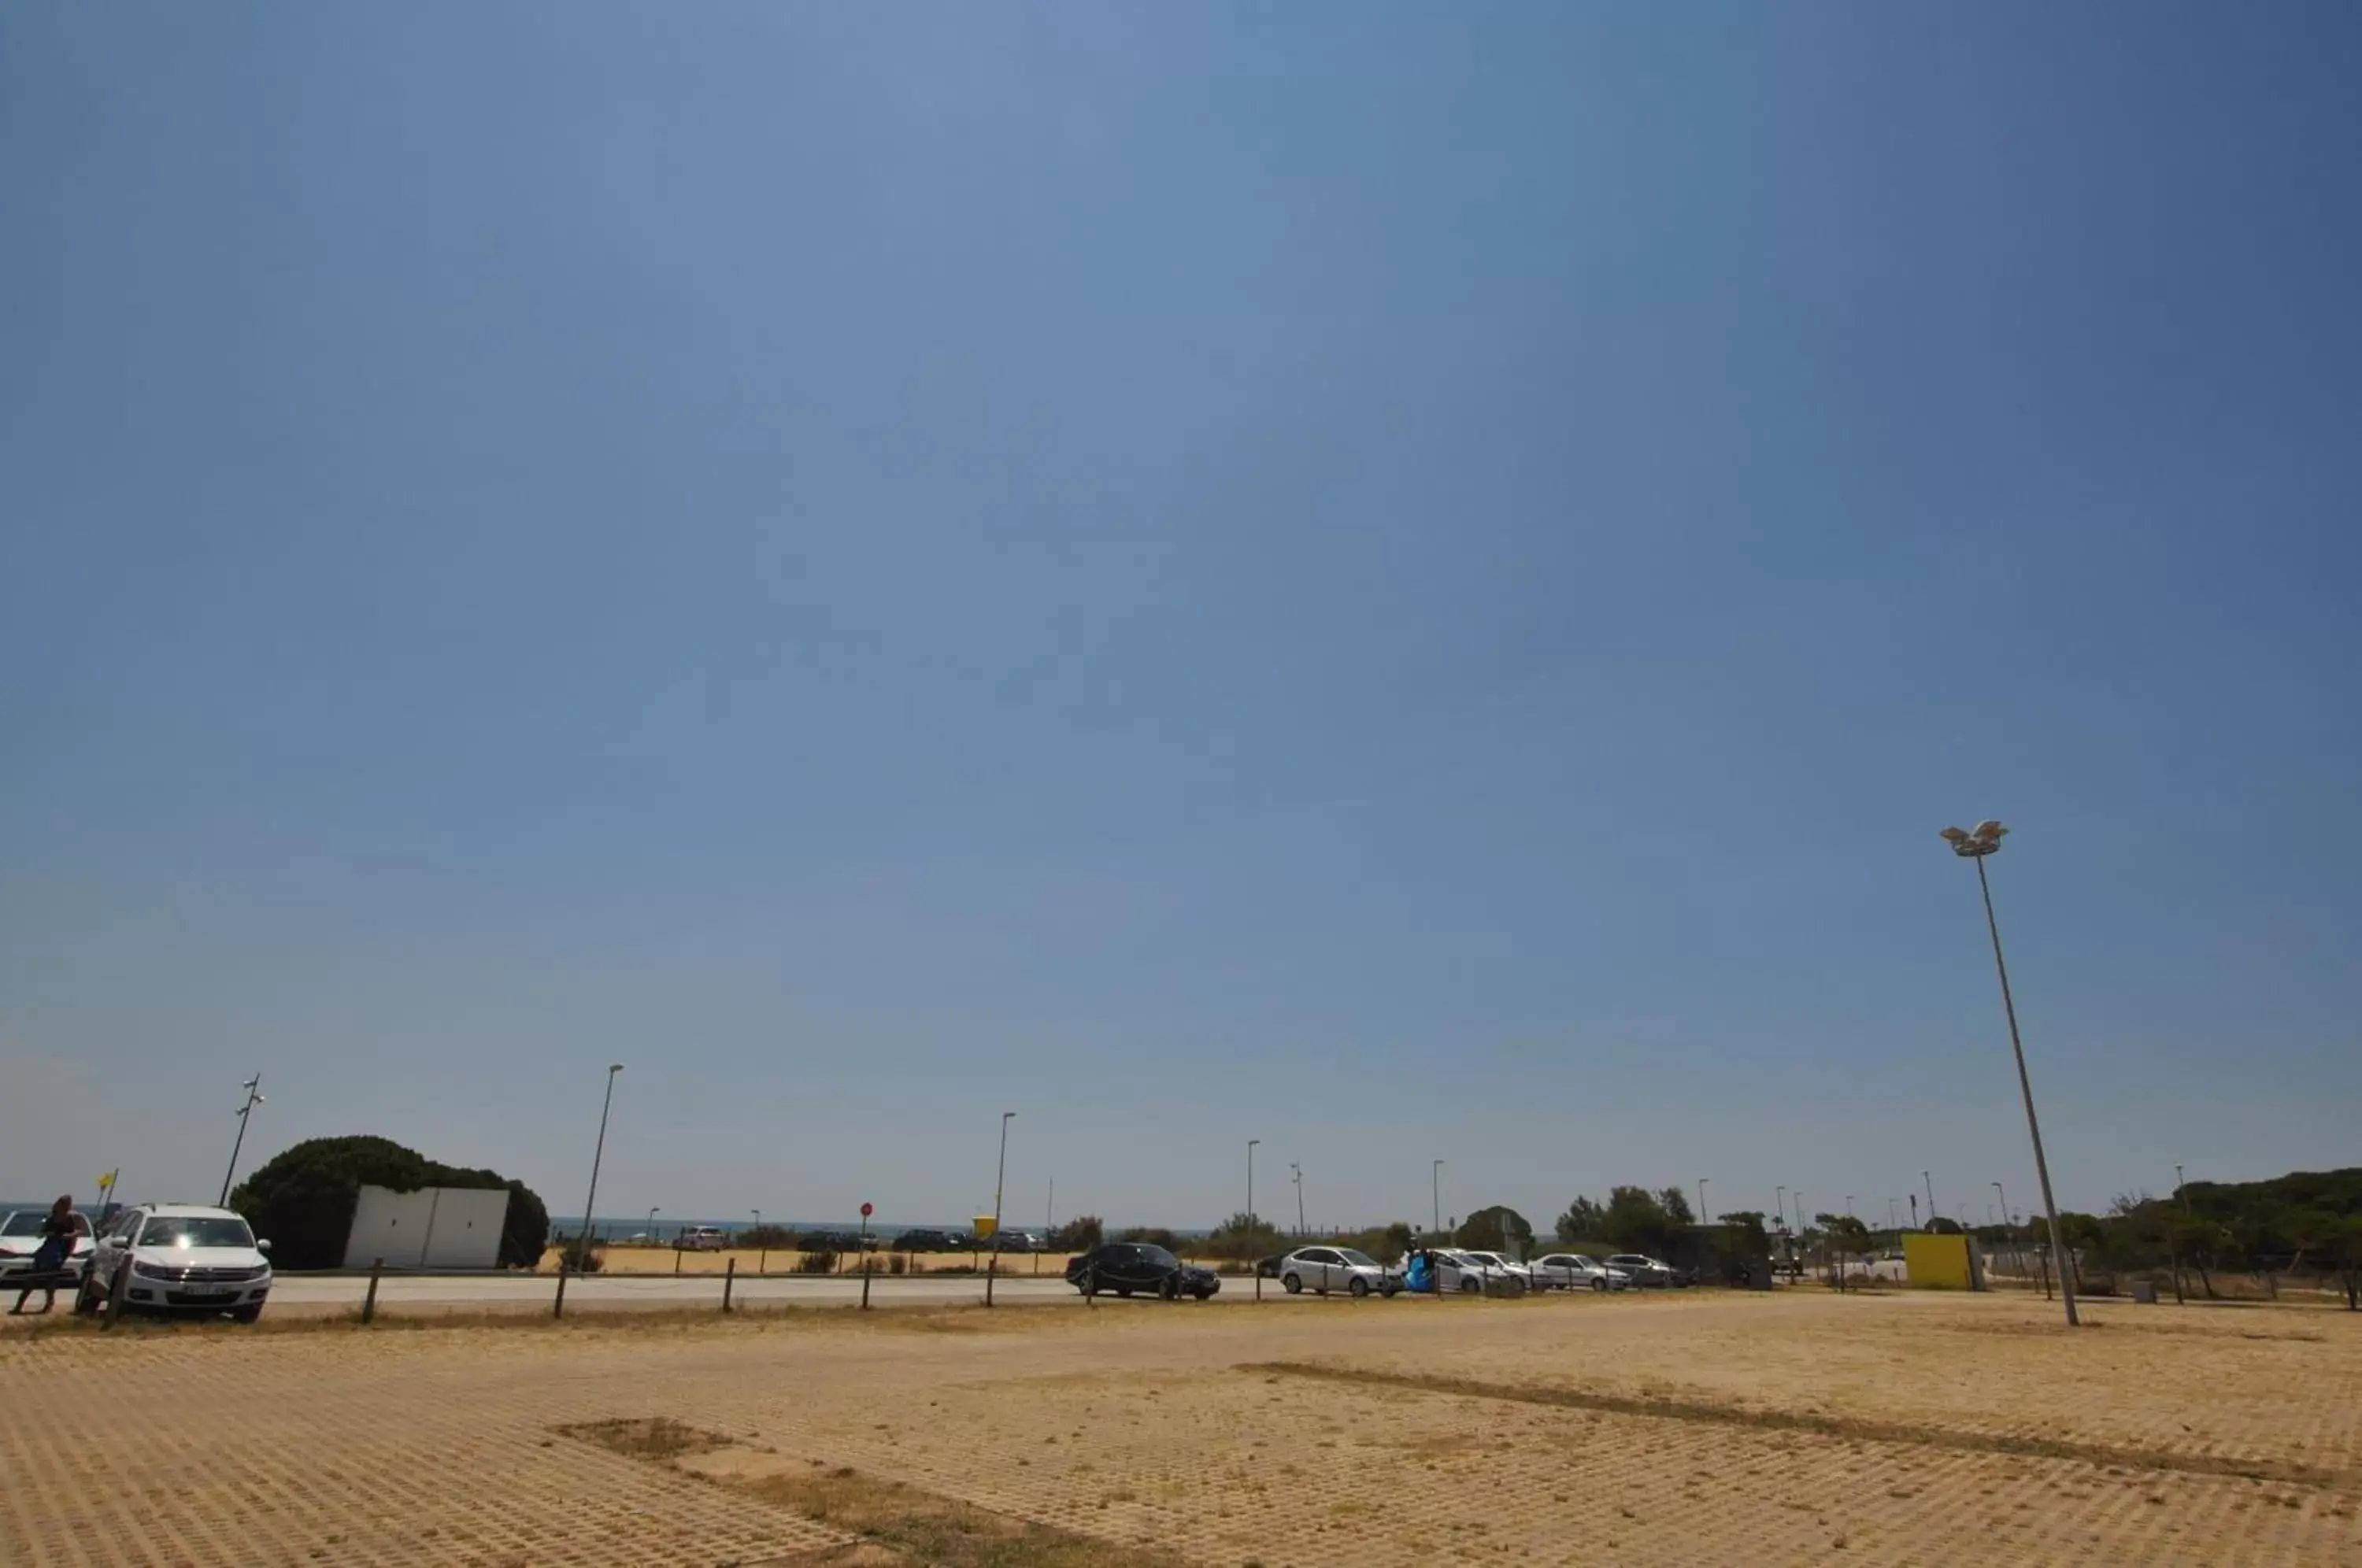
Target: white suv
[180, 1257]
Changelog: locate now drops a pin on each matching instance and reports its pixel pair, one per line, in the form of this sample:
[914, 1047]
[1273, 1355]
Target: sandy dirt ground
[1690, 1429]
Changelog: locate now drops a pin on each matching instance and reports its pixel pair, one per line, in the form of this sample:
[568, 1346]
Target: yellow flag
[109, 1179]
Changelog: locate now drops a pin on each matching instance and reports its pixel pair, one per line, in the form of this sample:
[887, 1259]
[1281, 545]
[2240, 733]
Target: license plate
[208, 1290]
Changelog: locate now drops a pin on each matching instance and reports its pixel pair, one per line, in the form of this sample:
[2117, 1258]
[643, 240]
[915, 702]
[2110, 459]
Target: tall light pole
[762, 1255]
[1976, 844]
[1779, 1204]
[1702, 1200]
[1252, 1228]
[993, 1267]
[253, 1097]
[652, 1223]
[590, 1199]
[1893, 1224]
[2181, 1187]
[1848, 1204]
[1931, 1198]
[1300, 1197]
[1435, 1184]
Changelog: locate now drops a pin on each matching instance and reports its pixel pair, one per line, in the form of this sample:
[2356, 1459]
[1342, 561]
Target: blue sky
[1413, 582]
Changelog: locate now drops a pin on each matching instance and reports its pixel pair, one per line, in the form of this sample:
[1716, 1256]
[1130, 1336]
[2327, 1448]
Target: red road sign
[867, 1211]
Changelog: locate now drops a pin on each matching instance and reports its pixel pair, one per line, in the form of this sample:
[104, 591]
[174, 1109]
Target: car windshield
[195, 1230]
[1359, 1260]
[24, 1222]
[1157, 1257]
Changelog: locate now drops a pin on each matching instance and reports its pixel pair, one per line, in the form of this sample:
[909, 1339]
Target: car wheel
[1204, 1295]
[1292, 1284]
[1124, 1290]
[1359, 1289]
[1169, 1290]
[1599, 1285]
[1472, 1287]
[86, 1301]
[1389, 1289]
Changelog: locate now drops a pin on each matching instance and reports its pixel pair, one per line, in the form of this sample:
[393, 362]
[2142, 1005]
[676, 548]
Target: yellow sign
[986, 1226]
[1939, 1262]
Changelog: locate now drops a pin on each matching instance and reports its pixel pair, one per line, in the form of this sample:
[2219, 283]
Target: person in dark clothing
[57, 1236]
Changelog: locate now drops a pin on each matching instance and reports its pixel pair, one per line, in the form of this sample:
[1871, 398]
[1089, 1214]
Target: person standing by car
[57, 1236]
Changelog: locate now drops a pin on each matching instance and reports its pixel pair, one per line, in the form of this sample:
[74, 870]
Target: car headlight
[153, 1271]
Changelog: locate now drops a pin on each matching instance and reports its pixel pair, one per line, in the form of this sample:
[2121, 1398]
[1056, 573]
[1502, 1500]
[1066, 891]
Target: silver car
[1325, 1269]
[1577, 1271]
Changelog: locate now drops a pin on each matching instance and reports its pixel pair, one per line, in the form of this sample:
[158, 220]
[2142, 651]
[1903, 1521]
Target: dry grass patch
[1666, 1407]
[648, 1437]
[935, 1532]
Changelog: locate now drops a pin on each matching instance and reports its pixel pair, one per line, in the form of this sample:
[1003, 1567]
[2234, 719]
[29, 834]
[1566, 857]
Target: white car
[1577, 1271]
[1323, 1269]
[20, 1238]
[702, 1239]
[180, 1257]
[1496, 1263]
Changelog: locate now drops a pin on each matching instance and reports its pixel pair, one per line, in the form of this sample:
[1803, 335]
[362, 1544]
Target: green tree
[2342, 1249]
[304, 1199]
[1636, 1222]
[1845, 1237]
[1080, 1234]
[1244, 1237]
[1496, 1230]
[1584, 1221]
[1677, 1204]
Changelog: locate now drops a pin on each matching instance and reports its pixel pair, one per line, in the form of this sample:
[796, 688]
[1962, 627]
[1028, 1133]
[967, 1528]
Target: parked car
[831, 1241]
[1496, 1263]
[1647, 1272]
[1269, 1267]
[701, 1239]
[1455, 1270]
[1577, 1271]
[925, 1241]
[180, 1257]
[1323, 1269]
[20, 1238]
[1139, 1267]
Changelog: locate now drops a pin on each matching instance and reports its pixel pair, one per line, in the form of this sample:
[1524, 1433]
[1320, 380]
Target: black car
[1130, 1267]
[929, 1242]
[1269, 1267]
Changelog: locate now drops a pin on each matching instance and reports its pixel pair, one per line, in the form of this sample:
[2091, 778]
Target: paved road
[498, 1293]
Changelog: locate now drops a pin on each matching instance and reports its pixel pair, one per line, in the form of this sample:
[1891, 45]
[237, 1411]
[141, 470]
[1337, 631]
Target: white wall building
[436, 1227]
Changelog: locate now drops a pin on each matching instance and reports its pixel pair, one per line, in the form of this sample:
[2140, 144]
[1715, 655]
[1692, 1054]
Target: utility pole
[590, 1199]
[253, 1097]
[999, 1180]
[1253, 1229]
[1435, 1180]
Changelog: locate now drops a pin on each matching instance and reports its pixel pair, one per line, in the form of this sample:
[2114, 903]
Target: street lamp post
[1976, 844]
[1435, 1183]
[1252, 1228]
[993, 1266]
[590, 1199]
[1931, 1197]
[1702, 1200]
[1300, 1197]
[652, 1223]
[245, 1112]
[763, 1246]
